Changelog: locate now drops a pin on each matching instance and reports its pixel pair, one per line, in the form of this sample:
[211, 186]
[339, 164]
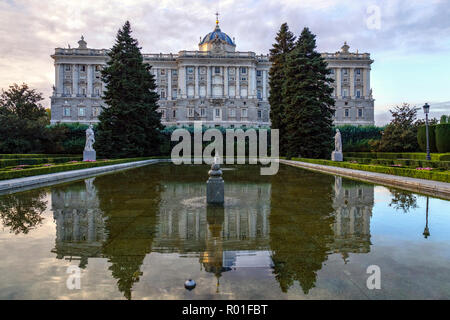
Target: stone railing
[346, 56]
[160, 56]
[84, 52]
[210, 54]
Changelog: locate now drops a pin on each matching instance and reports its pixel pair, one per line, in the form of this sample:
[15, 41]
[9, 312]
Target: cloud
[31, 29]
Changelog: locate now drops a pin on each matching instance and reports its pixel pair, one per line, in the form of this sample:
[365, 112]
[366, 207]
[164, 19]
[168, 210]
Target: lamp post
[426, 232]
[426, 110]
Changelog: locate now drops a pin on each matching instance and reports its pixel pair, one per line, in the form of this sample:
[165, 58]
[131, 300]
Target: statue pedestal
[215, 193]
[337, 156]
[89, 155]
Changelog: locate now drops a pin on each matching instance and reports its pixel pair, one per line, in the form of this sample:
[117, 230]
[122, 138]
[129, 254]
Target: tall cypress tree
[284, 44]
[307, 99]
[130, 124]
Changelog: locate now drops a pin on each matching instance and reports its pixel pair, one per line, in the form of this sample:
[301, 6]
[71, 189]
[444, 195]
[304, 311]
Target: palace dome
[217, 34]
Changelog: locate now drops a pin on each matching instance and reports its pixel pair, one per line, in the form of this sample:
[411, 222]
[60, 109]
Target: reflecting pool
[140, 233]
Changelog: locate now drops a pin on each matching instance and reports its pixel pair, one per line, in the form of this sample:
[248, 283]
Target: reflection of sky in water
[298, 235]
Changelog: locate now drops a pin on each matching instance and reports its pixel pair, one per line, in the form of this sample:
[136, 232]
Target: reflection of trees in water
[403, 200]
[130, 204]
[300, 235]
[23, 211]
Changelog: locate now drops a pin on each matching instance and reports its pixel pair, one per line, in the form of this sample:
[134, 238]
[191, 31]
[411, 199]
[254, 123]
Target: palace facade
[216, 85]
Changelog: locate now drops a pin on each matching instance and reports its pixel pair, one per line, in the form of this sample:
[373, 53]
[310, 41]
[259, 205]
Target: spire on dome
[217, 18]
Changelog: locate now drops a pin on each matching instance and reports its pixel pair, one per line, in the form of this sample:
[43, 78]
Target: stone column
[368, 83]
[254, 82]
[338, 81]
[365, 93]
[225, 82]
[89, 80]
[74, 80]
[264, 82]
[238, 81]
[59, 79]
[352, 82]
[208, 82]
[196, 82]
[169, 84]
[183, 82]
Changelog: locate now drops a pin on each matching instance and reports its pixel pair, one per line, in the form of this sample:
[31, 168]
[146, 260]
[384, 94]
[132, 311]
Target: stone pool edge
[39, 180]
[431, 187]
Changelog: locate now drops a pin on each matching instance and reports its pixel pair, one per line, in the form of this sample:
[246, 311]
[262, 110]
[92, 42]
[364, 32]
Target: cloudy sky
[408, 39]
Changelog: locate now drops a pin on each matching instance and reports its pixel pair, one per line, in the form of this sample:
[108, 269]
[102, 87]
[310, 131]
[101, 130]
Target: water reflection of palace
[80, 224]
[183, 217]
[263, 225]
[352, 204]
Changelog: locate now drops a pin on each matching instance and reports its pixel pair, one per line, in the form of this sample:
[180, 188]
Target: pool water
[141, 233]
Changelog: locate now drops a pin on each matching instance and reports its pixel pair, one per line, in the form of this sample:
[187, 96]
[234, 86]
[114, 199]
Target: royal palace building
[216, 84]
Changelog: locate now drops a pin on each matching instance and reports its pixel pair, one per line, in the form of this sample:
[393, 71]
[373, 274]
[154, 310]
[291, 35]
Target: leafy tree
[129, 126]
[307, 100]
[22, 102]
[285, 41]
[400, 134]
[22, 120]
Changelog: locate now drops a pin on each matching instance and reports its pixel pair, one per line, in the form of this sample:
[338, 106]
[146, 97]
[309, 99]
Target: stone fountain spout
[215, 184]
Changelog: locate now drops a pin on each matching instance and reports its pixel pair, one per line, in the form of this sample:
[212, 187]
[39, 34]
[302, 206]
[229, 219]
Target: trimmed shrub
[422, 138]
[403, 162]
[359, 138]
[23, 156]
[405, 172]
[443, 137]
[397, 155]
[33, 161]
[63, 167]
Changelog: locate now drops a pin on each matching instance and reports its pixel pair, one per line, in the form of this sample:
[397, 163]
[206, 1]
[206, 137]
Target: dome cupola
[217, 40]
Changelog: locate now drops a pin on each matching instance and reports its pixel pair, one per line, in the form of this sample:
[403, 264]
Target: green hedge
[422, 138]
[397, 155]
[405, 172]
[63, 167]
[404, 162]
[32, 161]
[22, 156]
[443, 137]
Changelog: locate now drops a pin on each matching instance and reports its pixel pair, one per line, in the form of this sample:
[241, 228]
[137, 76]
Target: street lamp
[426, 232]
[426, 110]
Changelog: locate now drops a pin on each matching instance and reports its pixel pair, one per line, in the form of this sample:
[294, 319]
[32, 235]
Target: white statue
[89, 139]
[337, 141]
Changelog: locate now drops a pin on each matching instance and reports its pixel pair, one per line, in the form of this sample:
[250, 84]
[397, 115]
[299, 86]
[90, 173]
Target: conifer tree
[130, 124]
[307, 101]
[285, 41]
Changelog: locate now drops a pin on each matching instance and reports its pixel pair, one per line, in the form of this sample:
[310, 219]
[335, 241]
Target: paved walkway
[435, 188]
[46, 179]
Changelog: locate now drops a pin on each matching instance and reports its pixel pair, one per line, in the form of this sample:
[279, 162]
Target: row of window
[202, 70]
[360, 112]
[81, 111]
[217, 113]
[82, 90]
[82, 68]
[346, 71]
[345, 93]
